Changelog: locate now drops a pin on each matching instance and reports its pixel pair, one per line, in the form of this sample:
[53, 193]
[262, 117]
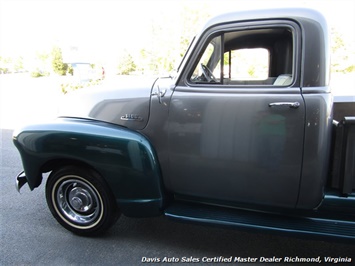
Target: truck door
[236, 118]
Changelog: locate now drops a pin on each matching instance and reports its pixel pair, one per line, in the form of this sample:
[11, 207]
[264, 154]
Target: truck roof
[297, 14]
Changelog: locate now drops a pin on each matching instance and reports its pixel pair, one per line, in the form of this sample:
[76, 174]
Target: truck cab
[242, 135]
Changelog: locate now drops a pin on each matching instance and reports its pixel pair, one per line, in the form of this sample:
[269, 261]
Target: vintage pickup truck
[242, 135]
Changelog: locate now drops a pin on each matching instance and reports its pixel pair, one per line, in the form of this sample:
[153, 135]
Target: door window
[250, 57]
[208, 69]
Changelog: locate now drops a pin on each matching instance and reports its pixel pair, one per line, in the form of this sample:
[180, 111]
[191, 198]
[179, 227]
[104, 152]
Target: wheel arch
[35, 175]
[124, 158]
[53, 164]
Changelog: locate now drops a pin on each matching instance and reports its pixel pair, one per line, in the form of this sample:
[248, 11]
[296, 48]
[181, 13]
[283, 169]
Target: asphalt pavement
[29, 235]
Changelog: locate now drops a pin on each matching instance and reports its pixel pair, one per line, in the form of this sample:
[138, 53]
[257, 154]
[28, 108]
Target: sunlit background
[128, 37]
[102, 32]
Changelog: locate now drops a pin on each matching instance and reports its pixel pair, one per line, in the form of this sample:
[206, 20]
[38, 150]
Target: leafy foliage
[160, 51]
[342, 56]
[10, 65]
[168, 41]
[58, 65]
[39, 73]
[126, 64]
[70, 86]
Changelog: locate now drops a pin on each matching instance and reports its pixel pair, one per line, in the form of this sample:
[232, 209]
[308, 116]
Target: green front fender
[124, 158]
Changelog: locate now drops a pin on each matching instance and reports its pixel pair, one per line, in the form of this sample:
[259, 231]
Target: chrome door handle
[294, 105]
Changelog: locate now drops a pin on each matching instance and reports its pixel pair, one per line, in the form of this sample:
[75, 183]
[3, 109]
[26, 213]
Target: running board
[311, 226]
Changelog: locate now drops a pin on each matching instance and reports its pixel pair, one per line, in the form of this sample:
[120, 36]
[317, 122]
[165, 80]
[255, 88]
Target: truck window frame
[221, 30]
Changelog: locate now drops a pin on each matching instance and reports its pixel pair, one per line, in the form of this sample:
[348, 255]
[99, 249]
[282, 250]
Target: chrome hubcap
[78, 201]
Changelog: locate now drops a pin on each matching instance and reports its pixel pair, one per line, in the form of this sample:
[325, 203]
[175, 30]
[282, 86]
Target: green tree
[126, 64]
[5, 65]
[58, 65]
[41, 65]
[342, 56]
[169, 37]
[18, 64]
[192, 20]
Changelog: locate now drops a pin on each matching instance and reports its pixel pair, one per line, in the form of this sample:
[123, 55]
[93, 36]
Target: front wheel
[81, 201]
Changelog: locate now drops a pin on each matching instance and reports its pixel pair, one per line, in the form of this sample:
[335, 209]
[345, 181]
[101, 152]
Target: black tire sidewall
[108, 208]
